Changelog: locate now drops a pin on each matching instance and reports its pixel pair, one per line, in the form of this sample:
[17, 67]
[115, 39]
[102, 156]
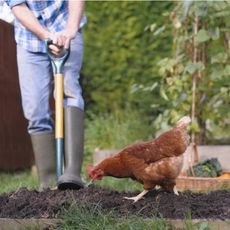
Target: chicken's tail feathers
[183, 122]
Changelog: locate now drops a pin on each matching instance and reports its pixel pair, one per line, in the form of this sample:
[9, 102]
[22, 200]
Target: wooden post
[193, 154]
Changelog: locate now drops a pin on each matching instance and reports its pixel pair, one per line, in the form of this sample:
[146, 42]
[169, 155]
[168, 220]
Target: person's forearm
[26, 17]
[76, 9]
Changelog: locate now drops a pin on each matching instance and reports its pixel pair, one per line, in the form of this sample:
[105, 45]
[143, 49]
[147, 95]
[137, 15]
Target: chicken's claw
[175, 191]
[135, 198]
[138, 197]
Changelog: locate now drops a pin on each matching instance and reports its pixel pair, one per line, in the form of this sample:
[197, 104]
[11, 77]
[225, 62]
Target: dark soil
[26, 203]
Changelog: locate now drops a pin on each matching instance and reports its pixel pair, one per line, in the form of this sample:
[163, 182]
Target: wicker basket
[201, 183]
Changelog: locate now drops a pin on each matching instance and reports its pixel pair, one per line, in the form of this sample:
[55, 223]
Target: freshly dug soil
[26, 203]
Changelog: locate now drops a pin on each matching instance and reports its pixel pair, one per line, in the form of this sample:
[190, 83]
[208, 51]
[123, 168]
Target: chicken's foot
[175, 191]
[138, 197]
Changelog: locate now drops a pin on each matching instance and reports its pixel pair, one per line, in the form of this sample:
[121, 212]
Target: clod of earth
[26, 203]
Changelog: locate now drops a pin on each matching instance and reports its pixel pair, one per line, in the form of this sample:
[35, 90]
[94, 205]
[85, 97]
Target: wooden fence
[15, 146]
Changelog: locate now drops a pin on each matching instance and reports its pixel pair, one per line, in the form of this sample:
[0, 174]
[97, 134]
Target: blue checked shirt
[52, 14]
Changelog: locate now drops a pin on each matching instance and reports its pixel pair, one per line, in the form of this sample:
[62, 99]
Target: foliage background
[201, 56]
[121, 53]
[138, 67]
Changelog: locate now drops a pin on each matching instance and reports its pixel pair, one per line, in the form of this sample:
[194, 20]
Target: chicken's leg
[175, 191]
[138, 197]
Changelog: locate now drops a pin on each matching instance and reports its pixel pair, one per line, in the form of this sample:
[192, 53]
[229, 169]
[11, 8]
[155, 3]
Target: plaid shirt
[52, 14]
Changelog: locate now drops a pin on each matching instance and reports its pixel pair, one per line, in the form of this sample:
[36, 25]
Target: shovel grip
[57, 62]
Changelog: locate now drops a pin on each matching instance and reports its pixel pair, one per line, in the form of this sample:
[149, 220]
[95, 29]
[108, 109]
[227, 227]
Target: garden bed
[48, 204]
[40, 210]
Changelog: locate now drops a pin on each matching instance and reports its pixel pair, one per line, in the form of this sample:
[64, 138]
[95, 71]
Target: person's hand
[60, 40]
[64, 37]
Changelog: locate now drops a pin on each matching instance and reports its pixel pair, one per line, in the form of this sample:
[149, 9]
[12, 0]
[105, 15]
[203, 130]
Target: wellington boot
[73, 141]
[44, 152]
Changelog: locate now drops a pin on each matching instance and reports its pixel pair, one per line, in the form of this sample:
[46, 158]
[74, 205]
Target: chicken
[155, 162]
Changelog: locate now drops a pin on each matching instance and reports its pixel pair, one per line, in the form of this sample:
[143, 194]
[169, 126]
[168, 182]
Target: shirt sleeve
[12, 3]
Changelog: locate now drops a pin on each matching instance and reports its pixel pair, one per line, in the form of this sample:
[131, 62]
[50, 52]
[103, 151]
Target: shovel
[57, 66]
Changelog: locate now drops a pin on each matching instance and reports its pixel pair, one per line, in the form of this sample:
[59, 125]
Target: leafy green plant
[195, 80]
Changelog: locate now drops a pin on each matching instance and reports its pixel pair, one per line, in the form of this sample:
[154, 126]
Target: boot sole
[69, 185]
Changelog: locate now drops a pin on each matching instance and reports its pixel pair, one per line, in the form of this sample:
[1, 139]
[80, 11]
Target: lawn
[12, 181]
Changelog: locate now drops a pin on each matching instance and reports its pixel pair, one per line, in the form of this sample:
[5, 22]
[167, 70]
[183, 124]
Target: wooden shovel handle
[59, 106]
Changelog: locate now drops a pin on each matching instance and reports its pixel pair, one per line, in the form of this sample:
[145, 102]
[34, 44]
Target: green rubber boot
[73, 141]
[45, 159]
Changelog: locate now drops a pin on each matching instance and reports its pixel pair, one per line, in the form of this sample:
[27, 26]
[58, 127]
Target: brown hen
[155, 162]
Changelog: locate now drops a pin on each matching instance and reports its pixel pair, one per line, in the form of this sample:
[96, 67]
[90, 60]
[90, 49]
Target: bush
[121, 54]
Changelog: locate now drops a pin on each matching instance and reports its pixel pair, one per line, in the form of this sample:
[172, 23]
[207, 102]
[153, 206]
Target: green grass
[125, 184]
[92, 217]
[116, 130]
[12, 181]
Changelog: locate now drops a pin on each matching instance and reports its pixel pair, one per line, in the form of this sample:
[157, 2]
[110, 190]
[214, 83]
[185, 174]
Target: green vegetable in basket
[207, 168]
[216, 165]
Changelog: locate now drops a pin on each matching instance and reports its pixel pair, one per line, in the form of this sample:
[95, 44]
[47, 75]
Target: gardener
[61, 21]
